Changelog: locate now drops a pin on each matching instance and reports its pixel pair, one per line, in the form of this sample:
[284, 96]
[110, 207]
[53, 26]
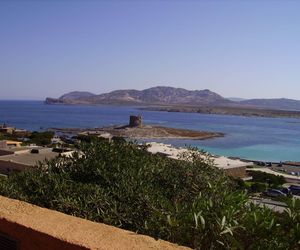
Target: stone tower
[135, 121]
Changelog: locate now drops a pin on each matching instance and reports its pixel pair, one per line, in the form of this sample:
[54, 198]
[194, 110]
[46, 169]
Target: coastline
[227, 110]
[280, 137]
[246, 111]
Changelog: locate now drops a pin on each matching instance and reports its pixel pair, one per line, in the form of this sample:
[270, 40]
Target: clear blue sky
[235, 48]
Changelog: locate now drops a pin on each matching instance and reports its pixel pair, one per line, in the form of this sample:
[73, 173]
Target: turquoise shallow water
[269, 139]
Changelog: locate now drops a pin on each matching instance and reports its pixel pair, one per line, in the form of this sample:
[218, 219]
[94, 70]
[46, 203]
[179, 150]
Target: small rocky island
[136, 129]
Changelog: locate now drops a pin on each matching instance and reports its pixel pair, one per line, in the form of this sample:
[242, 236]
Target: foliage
[8, 136]
[3, 177]
[186, 201]
[41, 138]
[271, 179]
[257, 187]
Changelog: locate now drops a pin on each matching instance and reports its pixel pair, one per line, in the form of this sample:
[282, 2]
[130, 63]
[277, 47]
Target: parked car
[295, 189]
[287, 191]
[274, 193]
[34, 151]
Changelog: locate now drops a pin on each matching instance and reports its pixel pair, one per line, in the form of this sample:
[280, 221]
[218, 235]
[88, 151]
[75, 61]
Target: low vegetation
[188, 202]
[261, 182]
[41, 138]
[270, 179]
[38, 138]
[4, 136]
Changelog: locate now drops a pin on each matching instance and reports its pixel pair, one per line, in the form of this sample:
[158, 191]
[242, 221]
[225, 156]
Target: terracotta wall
[36, 228]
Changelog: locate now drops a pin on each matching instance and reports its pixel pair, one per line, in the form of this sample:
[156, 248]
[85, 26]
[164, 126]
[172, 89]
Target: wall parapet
[33, 228]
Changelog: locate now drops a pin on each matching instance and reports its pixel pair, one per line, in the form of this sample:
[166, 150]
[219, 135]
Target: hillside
[155, 95]
[76, 95]
[71, 98]
[170, 96]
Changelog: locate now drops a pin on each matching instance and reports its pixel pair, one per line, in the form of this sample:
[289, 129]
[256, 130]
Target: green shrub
[41, 138]
[187, 201]
[271, 179]
[257, 187]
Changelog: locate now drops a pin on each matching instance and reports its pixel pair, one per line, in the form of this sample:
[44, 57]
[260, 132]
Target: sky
[247, 49]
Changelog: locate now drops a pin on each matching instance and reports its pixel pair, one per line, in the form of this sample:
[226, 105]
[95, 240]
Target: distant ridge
[155, 95]
[236, 99]
[163, 95]
[279, 103]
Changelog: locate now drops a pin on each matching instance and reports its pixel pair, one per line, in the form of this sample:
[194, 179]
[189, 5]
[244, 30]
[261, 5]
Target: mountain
[156, 95]
[162, 95]
[77, 95]
[70, 98]
[279, 103]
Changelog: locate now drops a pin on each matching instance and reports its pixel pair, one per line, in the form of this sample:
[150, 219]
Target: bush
[271, 179]
[41, 138]
[189, 202]
[257, 187]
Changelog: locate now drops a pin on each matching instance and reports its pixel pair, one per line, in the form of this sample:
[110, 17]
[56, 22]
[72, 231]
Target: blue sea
[267, 139]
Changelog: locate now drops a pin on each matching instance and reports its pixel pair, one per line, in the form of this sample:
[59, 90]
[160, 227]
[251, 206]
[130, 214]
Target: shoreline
[245, 111]
[227, 110]
[130, 134]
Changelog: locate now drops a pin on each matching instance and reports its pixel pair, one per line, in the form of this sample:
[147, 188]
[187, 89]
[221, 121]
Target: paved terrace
[23, 159]
[29, 159]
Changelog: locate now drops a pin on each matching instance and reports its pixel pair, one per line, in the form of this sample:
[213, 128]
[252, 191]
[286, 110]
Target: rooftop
[30, 159]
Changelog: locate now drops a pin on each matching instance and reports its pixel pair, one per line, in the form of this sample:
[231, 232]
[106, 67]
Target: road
[270, 171]
[274, 205]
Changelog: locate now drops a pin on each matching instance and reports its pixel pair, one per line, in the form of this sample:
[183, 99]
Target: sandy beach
[221, 162]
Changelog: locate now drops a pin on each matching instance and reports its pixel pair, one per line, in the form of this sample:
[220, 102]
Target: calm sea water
[269, 139]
